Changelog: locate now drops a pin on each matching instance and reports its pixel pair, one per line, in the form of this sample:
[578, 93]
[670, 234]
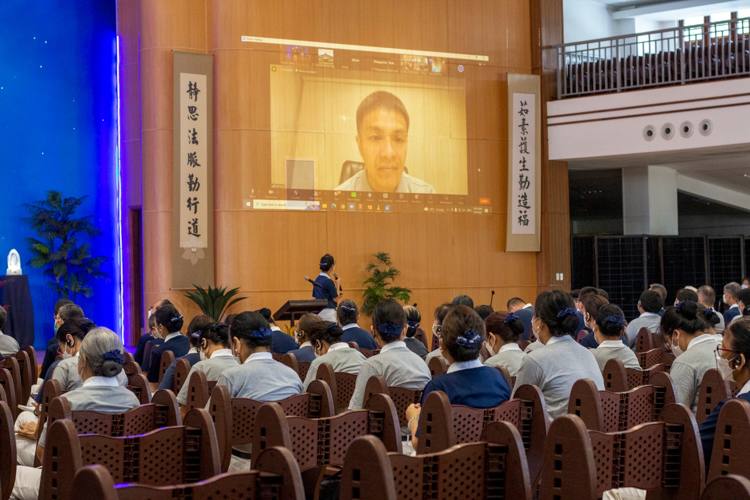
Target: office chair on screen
[350, 168]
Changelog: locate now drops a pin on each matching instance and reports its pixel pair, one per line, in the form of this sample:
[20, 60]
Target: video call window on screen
[353, 130]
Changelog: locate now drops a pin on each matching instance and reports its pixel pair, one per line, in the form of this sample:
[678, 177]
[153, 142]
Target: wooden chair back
[713, 389]
[434, 343]
[181, 371]
[368, 353]
[26, 369]
[276, 356]
[664, 457]
[138, 383]
[34, 366]
[422, 337]
[730, 486]
[353, 345]
[731, 436]
[234, 418]
[341, 384]
[14, 370]
[402, 398]
[437, 366]
[8, 457]
[506, 375]
[650, 358]
[128, 357]
[131, 368]
[199, 390]
[167, 358]
[301, 367]
[7, 384]
[442, 425]
[52, 390]
[148, 350]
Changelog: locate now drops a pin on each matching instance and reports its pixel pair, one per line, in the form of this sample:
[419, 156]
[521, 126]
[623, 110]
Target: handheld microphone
[492, 297]
[335, 275]
[314, 284]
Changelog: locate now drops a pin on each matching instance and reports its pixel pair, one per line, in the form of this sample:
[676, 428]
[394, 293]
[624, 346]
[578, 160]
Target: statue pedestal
[16, 294]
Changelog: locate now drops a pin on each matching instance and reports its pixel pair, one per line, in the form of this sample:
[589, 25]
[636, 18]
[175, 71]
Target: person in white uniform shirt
[649, 305]
[609, 328]
[503, 332]
[216, 358]
[687, 333]
[326, 341]
[259, 376]
[99, 362]
[8, 345]
[707, 297]
[562, 361]
[440, 313]
[396, 363]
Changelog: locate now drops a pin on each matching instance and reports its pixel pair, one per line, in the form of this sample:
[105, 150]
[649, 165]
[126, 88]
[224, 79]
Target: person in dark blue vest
[348, 315]
[53, 347]
[168, 325]
[732, 361]
[662, 291]
[309, 326]
[467, 381]
[281, 343]
[731, 292]
[327, 289]
[193, 356]
[139, 350]
[524, 311]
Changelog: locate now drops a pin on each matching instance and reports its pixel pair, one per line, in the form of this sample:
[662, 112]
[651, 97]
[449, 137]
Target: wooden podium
[293, 309]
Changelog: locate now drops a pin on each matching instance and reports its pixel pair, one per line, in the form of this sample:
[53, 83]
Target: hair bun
[687, 309]
[469, 339]
[389, 330]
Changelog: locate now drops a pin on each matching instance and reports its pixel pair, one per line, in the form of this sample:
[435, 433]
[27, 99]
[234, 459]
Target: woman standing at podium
[326, 288]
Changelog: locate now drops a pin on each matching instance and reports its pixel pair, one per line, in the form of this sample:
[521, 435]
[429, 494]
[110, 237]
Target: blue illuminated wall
[58, 131]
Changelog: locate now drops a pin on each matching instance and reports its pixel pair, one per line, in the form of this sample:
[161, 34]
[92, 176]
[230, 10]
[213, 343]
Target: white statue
[14, 263]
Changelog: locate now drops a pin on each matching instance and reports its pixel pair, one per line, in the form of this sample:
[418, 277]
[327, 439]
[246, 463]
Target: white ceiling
[671, 10]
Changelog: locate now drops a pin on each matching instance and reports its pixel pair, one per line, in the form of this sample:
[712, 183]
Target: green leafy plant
[58, 250]
[214, 301]
[379, 286]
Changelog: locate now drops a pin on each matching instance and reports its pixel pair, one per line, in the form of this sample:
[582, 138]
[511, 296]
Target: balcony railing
[673, 56]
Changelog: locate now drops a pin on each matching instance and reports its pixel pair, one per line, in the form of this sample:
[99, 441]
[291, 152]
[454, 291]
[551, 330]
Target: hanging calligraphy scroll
[192, 256]
[524, 161]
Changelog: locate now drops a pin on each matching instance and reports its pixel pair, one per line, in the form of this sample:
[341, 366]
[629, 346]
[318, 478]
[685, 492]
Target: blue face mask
[56, 328]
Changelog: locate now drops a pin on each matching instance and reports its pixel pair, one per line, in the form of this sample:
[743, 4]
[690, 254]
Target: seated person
[193, 355]
[467, 381]
[282, 343]
[484, 311]
[589, 305]
[348, 315]
[649, 306]
[396, 363]
[51, 352]
[413, 317]
[523, 310]
[8, 345]
[258, 377]
[305, 325]
[382, 139]
[503, 332]
[437, 325]
[168, 325]
[215, 357]
[330, 349]
[687, 333]
[151, 335]
[732, 359]
[100, 363]
[712, 319]
[609, 329]
[562, 361]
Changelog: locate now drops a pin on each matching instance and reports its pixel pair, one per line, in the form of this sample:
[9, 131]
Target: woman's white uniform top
[510, 356]
[341, 357]
[615, 349]
[66, 372]
[103, 394]
[555, 368]
[432, 354]
[688, 369]
[261, 378]
[537, 344]
[219, 362]
[398, 365]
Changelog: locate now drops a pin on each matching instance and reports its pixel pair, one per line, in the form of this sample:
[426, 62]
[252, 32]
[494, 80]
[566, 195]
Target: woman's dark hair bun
[516, 326]
[569, 324]
[687, 309]
[111, 368]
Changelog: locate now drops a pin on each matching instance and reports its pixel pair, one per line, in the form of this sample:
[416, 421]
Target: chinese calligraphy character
[523, 126]
[522, 147]
[193, 228]
[192, 160]
[192, 137]
[193, 183]
[193, 113]
[193, 91]
[523, 201]
[523, 219]
[523, 164]
[524, 111]
[523, 182]
[192, 204]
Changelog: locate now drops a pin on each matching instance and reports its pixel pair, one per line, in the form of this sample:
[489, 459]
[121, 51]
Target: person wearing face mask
[731, 290]
[609, 328]
[304, 327]
[743, 300]
[589, 306]
[64, 309]
[258, 376]
[168, 325]
[193, 356]
[732, 357]
[151, 335]
[503, 332]
[437, 325]
[215, 357]
[711, 318]
[687, 333]
[562, 361]
[100, 363]
[330, 349]
[413, 317]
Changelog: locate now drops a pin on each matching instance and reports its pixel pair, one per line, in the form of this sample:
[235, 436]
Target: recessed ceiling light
[746, 175]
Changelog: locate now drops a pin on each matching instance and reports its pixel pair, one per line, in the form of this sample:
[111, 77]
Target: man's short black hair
[60, 303]
[516, 301]
[651, 301]
[381, 99]
[660, 289]
[686, 294]
[463, 300]
[484, 311]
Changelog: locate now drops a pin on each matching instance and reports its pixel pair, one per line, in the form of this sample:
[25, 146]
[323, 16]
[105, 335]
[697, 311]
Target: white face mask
[491, 347]
[726, 371]
[676, 350]
[66, 354]
[724, 298]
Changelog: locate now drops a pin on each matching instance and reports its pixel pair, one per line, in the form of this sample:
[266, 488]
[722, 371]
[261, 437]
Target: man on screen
[382, 139]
